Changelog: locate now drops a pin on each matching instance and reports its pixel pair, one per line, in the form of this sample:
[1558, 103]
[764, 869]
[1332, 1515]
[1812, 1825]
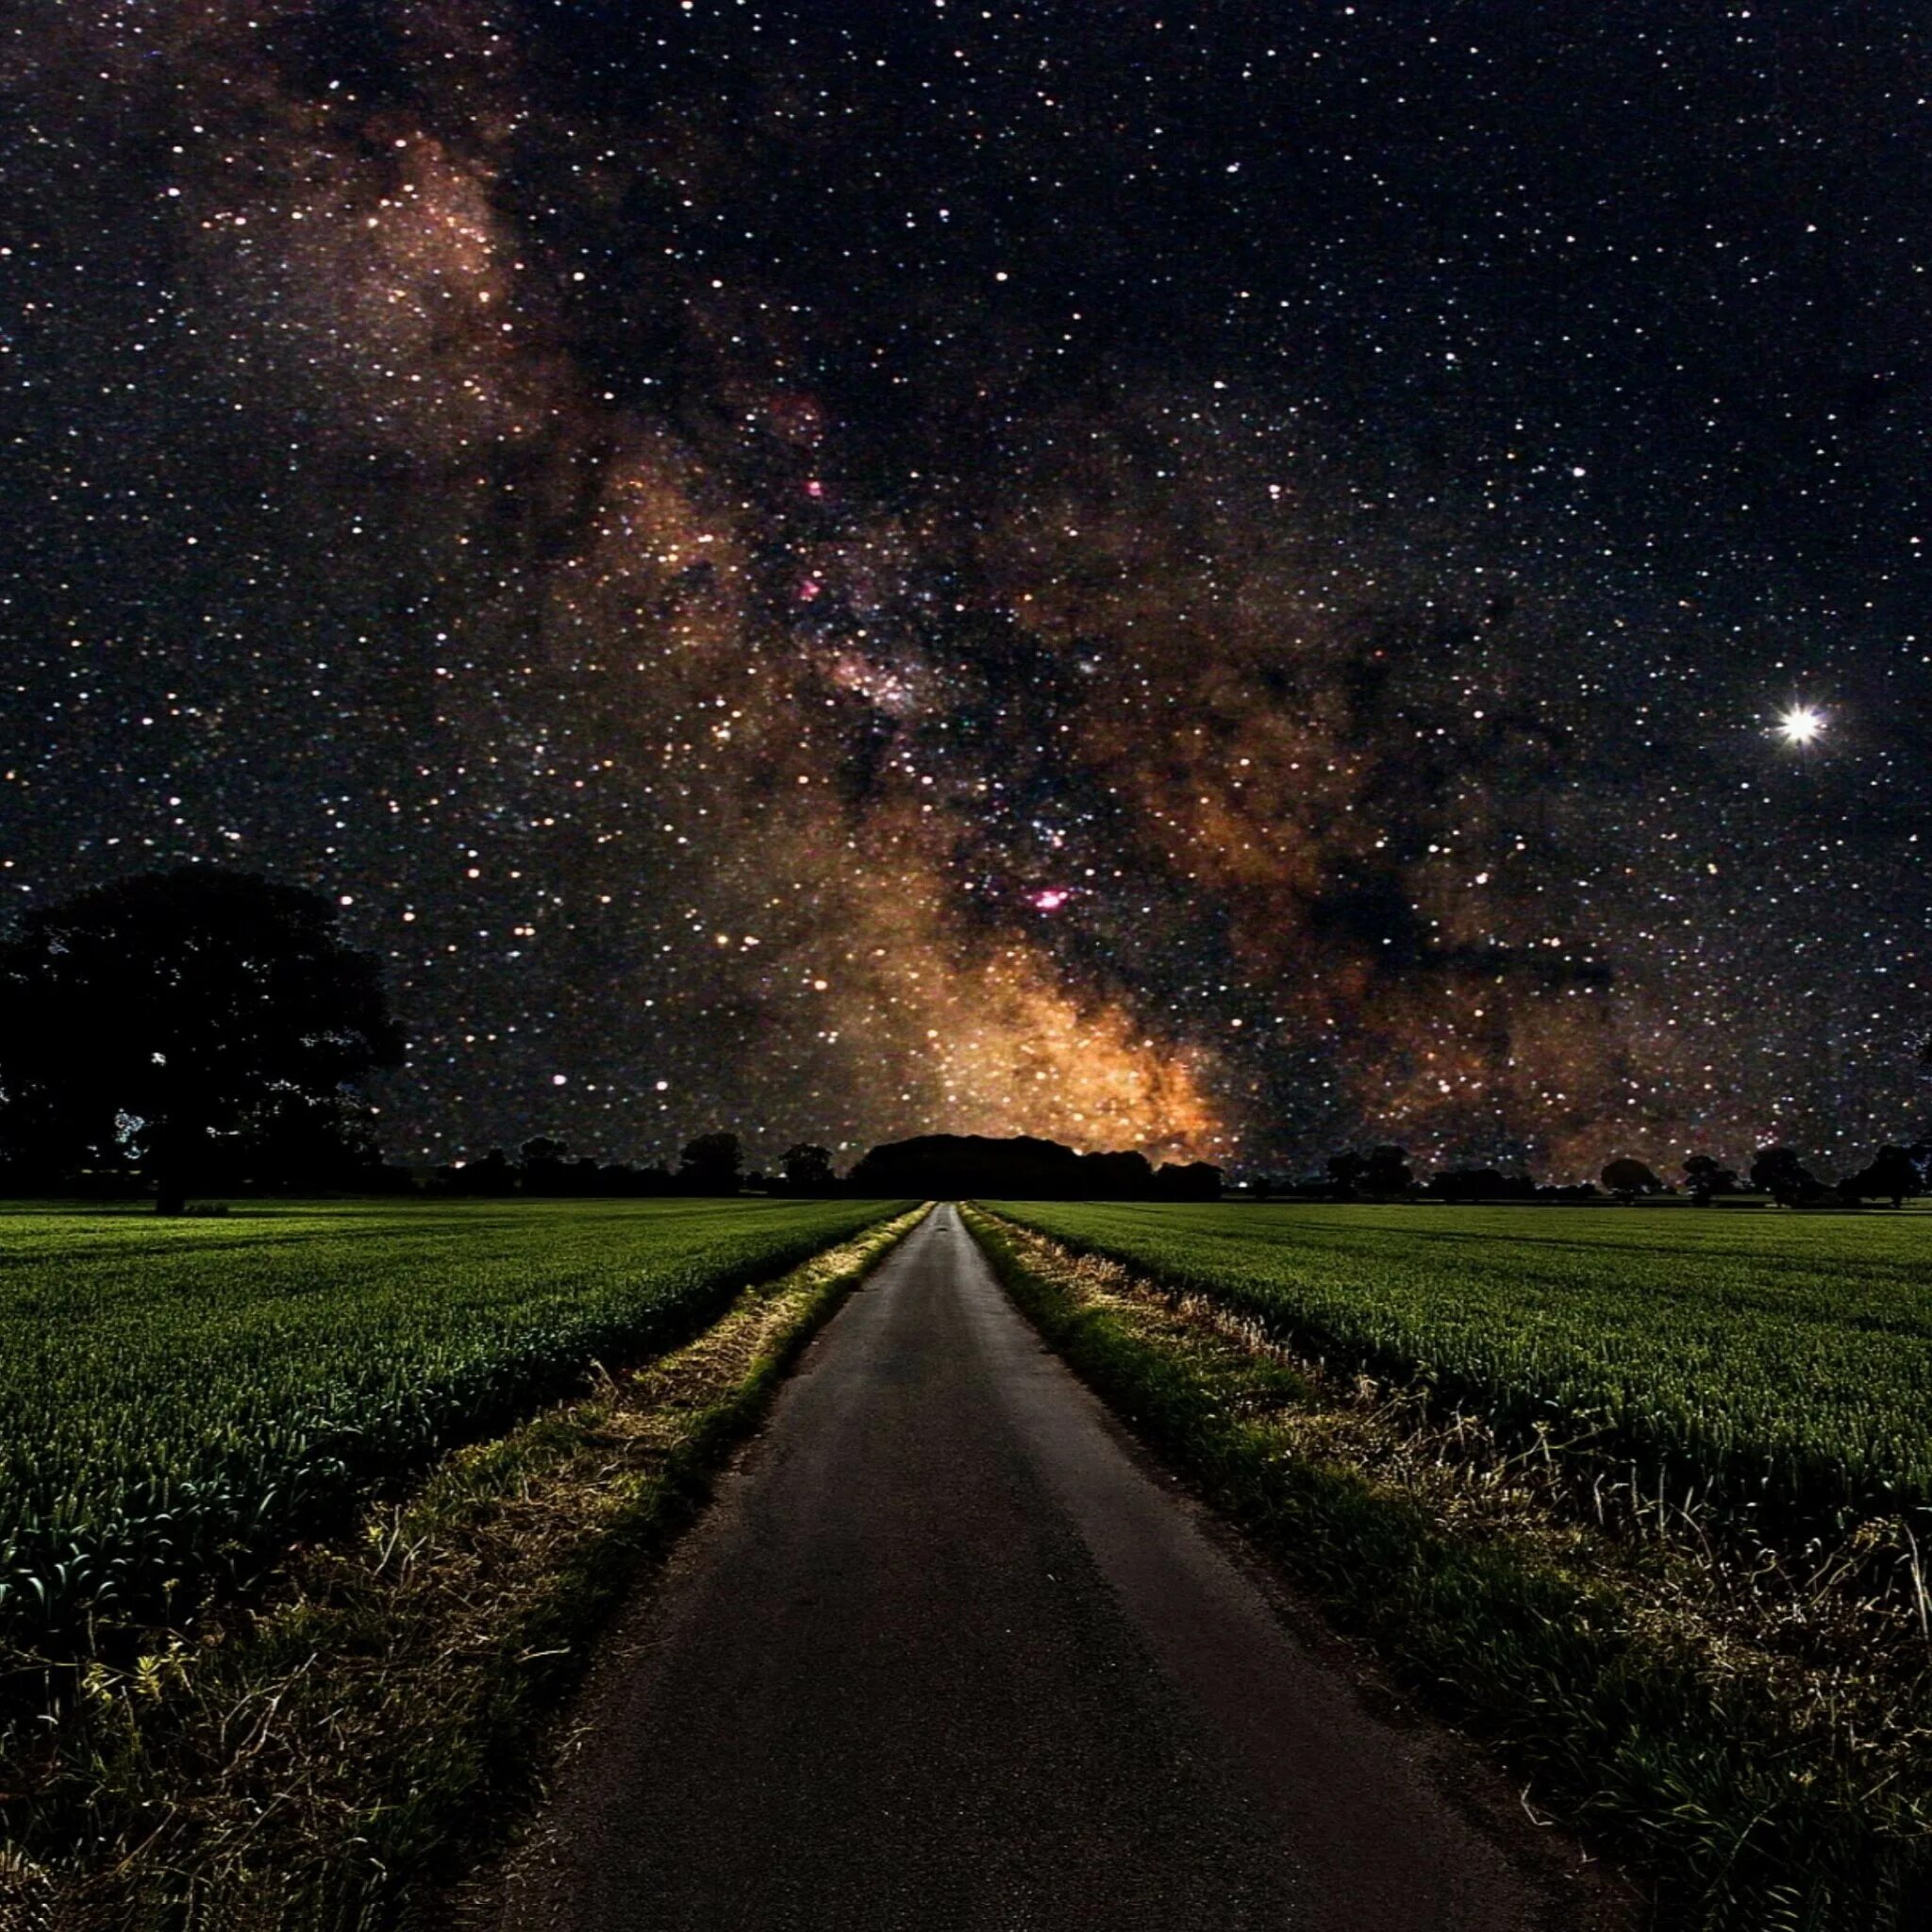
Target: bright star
[1800, 724]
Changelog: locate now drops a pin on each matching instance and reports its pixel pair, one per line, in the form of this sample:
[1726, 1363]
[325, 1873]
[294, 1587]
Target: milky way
[1229, 579]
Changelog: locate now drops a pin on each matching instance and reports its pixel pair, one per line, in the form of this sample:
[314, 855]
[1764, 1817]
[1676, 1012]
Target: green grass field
[179, 1400]
[1729, 1702]
[1771, 1367]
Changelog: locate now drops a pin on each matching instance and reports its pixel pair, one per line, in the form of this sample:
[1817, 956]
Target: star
[1162, 642]
[1801, 724]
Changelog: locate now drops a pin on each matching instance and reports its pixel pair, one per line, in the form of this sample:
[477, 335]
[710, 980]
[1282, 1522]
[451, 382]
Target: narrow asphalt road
[948, 1654]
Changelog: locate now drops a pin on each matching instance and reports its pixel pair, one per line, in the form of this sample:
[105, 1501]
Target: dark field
[181, 1399]
[1772, 1364]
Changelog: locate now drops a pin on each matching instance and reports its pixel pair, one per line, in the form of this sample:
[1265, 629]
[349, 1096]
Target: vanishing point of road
[948, 1655]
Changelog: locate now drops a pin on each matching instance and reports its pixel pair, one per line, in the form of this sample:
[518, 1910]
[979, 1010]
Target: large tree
[1892, 1175]
[1386, 1174]
[710, 1164]
[809, 1169]
[1706, 1176]
[1628, 1178]
[173, 1019]
[1780, 1172]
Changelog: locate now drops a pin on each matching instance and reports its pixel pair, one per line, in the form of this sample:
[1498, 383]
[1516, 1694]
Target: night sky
[1221, 579]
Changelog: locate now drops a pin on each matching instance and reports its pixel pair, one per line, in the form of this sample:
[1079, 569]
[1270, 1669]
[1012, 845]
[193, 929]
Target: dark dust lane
[946, 1654]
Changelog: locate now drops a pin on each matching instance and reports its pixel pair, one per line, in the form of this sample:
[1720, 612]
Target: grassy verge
[181, 1399]
[319, 1763]
[1756, 1780]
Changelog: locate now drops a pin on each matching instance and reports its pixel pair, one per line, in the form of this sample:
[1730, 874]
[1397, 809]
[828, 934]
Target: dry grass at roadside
[1750, 1733]
[315, 1764]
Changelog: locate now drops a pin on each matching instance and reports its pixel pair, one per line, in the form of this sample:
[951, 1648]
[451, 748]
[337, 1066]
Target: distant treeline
[959, 1166]
[1025, 1169]
[943, 1165]
[1386, 1174]
[1021, 1166]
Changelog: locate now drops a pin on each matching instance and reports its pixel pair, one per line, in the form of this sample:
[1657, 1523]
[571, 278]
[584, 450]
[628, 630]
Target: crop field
[1769, 1371]
[179, 1400]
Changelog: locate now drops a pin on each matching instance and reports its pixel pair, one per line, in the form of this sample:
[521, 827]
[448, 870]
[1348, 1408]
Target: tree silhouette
[1779, 1173]
[1627, 1178]
[1345, 1172]
[544, 1165]
[1892, 1175]
[171, 1018]
[1707, 1177]
[1124, 1176]
[1021, 1166]
[809, 1169]
[496, 1174]
[710, 1164]
[1386, 1173]
[1188, 1180]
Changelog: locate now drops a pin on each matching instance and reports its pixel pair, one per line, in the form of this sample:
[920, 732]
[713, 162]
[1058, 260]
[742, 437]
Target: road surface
[948, 1654]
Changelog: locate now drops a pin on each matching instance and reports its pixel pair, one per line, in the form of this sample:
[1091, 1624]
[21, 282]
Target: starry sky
[1220, 578]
